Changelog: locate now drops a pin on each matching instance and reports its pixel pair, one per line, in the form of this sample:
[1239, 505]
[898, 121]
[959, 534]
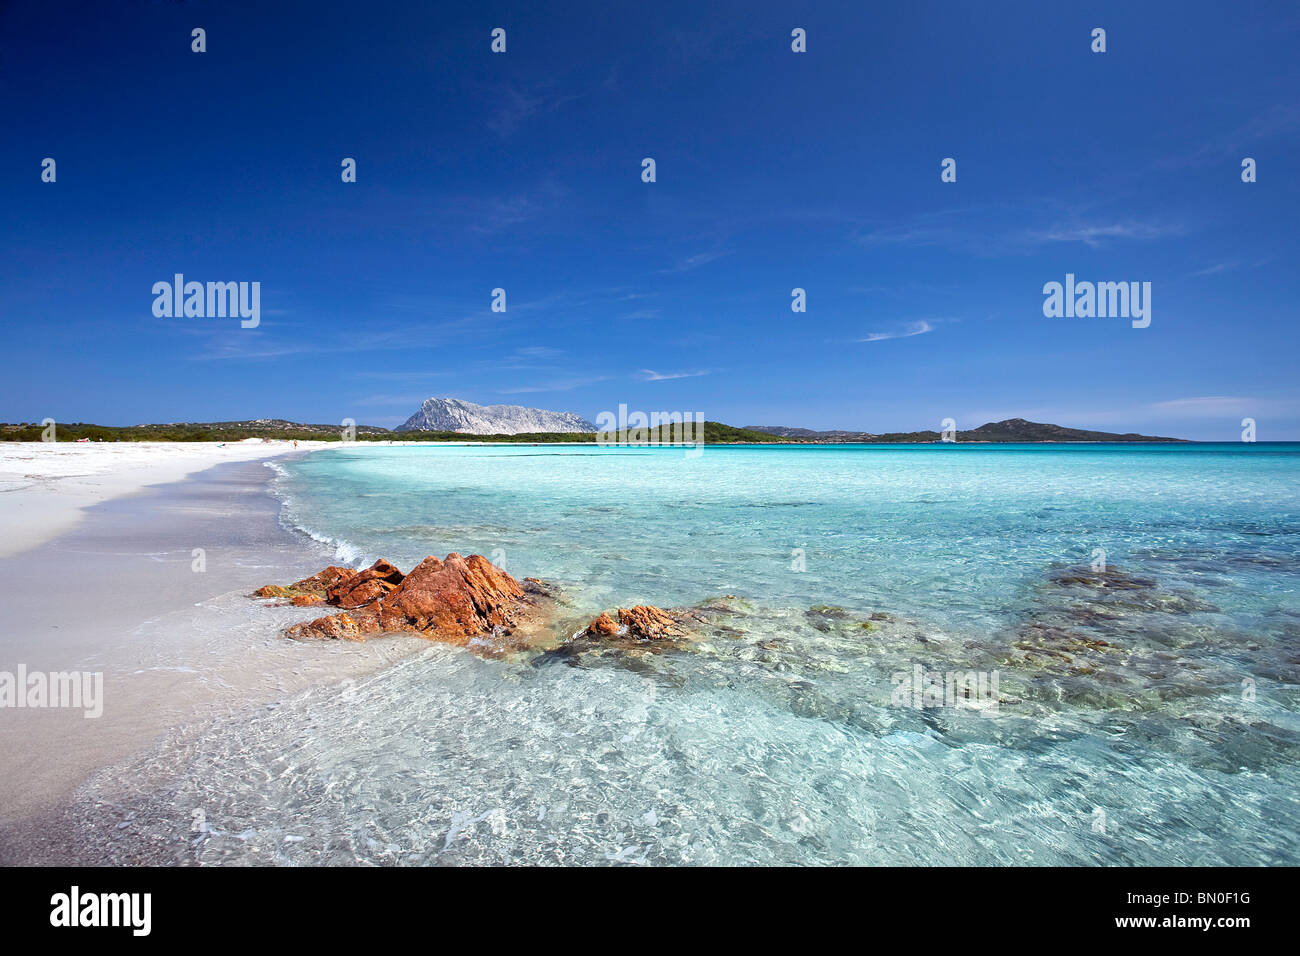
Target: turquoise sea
[1138, 606]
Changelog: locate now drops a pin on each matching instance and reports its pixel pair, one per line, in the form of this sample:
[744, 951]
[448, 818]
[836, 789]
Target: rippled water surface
[1145, 713]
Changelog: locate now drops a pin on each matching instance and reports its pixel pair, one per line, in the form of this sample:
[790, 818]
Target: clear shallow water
[1144, 716]
[957, 533]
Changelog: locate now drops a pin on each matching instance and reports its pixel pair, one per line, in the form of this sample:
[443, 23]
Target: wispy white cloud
[916, 328]
[700, 259]
[1229, 265]
[561, 385]
[1276, 121]
[525, 358]
[1168, 417]
[923, 230]
[518, 104]
[988, 229]
[1214, 269]
[1096, 233]
[650, 375]
[388, 375]
[411, 401]
[491, 215]
[1207, 404]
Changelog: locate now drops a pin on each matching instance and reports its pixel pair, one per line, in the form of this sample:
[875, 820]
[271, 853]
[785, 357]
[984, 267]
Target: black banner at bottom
[1221, 907]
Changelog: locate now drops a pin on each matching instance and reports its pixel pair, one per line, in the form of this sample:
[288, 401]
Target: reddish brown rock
[272, 590]
[317, 584]
[453, 600]
[645, 622]
[362, 587]
[307, 600]
[603, 626]
[323, 580]
[336, 627]
[648, 621]
[465, 596]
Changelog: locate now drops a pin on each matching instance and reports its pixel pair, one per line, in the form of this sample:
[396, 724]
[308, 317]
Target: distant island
[462, 417]
[454, 419]
[715, 433]
[1010, 430]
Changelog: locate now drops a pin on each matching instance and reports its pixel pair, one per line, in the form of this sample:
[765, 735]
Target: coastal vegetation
[715, 433]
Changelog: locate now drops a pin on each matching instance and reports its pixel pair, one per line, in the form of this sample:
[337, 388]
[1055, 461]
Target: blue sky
[775, 170]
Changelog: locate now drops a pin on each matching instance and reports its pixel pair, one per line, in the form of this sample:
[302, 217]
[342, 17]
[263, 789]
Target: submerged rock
[639, 633]
[830, 618]
[1114, 579]
[603, 626]
[1115, 593]
[645, 622]
[544, 588]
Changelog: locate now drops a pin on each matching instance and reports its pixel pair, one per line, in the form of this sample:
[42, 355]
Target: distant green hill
[714, 433]
[1010, 430]
[188, 431]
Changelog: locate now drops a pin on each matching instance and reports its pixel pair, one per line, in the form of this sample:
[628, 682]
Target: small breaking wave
[345, 552]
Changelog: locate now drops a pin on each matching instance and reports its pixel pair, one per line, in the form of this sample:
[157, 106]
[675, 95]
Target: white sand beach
[99, 568]
[44, 486]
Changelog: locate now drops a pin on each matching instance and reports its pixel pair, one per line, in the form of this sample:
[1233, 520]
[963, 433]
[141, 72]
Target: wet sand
[45, 487]
[121, 594]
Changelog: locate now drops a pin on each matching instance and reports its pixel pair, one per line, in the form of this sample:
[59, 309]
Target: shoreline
[46, 488]
[119, 595]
